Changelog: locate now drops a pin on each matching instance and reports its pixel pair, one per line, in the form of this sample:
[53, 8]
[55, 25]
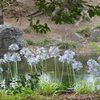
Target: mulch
[72, 96]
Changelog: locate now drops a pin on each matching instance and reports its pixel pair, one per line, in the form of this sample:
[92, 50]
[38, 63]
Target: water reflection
[49, 66]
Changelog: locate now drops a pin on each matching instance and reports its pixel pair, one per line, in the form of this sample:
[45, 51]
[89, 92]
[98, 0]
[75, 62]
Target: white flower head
[7, 57]
[13, 47]
[24, 50]
[41, 51]
[15, 57]
[54, 51]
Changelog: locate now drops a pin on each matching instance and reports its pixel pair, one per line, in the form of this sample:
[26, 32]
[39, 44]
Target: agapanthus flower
[69, 53]
[13, 47]
[41, 51]
[54, 51]
[7, 57]
[29, 54]
[15, 57]
[1, 70]
[77, 65]
[32, 61]
[66, 58]
[93, 65]
[24, 50]
[45, 56]
[40, 57]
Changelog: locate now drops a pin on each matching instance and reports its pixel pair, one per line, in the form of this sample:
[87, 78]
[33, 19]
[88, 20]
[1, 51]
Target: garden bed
[73, 97]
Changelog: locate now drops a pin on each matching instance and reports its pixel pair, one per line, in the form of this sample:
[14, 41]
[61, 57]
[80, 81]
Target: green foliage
[30, 83]
[30, 42]
[39, 43]
[94, 10]
[20, 96]
[39, 28]
[47, 87]
[68, 46]
[83, 31]
[98, 26]
[62, 86]
[95, 47]
[85, 18]
[83, 87]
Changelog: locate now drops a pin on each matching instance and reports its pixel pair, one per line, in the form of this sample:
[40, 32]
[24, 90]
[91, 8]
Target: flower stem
[62, 72]
[10, 69]
[35, 68]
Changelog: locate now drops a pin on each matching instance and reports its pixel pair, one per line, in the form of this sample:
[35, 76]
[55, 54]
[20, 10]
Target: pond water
[23, 67]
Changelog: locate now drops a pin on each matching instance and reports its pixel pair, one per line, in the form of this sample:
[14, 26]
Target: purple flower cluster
[54, 51]
[41, 51]
[13, 47]
[93, 67]
[11, 57]
[67, 57]
[32, 61]
[7, 57]
[77, 65]
[15, 57]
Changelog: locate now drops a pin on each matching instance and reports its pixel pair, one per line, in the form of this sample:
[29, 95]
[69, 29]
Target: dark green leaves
[94, 10]
[39, 28]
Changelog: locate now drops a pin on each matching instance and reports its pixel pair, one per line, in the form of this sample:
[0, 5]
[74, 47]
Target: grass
[47, 87]
[65, 45]
[39, 43]
[83, 87]
[84, 30]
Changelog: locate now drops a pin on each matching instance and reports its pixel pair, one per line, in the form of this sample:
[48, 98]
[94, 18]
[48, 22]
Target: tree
[60, 11]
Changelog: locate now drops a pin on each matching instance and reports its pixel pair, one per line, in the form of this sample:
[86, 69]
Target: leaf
[37, 22]
[91, 13]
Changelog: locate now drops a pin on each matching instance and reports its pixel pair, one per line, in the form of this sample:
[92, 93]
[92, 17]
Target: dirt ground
[26, 7]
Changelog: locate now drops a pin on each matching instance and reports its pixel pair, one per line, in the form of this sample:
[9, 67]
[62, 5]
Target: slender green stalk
[74, 76]
[35, 68]
[31, 69]
[45, 64]
[69, 79]
[10, 69]
[55, 68]
[41, 63]
[62, 71]
[1, 78]
[16, 71]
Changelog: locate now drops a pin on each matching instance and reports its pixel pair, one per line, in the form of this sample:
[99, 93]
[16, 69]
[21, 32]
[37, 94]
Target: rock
[1, 18]
[95, 34]
[78, 38]
[54, 41]
[9, 35]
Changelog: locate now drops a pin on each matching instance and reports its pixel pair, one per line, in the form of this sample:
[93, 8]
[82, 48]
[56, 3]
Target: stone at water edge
[9, 35]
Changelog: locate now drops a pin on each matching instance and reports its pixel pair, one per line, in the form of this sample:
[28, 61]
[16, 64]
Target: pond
[49, 65]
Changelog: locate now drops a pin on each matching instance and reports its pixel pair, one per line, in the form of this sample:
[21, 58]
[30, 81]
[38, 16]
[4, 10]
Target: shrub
[83, 31]
[30, 42]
